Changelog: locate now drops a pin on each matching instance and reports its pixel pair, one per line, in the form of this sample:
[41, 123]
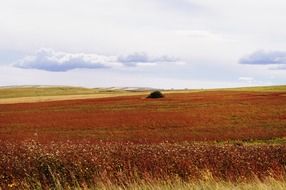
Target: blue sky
[143, 43]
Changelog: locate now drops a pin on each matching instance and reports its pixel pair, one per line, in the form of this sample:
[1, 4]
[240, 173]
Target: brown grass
[86, 164]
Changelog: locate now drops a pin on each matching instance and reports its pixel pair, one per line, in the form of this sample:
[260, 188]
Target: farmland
[227, 135]
[30, 94]
[198, 116]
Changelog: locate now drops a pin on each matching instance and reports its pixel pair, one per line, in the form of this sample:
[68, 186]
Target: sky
[143, 43]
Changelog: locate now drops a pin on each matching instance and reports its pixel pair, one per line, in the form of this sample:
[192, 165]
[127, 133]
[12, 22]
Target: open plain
[192, 139]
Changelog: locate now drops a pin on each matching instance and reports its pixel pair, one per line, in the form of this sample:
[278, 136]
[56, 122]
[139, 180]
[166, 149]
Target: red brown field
[226, 136]
[200, 116]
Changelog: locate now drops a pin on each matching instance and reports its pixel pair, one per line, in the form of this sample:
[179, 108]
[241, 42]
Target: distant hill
[25, 94]
[41, 93]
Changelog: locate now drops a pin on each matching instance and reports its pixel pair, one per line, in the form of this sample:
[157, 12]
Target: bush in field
[155, 94]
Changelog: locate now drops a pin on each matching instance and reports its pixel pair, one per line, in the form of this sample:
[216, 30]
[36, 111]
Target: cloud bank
[265, 58]
[141, 57]
[50, 60]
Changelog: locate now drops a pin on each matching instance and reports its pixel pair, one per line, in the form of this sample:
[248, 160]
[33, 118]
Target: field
[205, 139]
[30, 94]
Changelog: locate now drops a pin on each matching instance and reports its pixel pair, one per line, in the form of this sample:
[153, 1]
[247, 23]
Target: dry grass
[66, 97]
[69, 165]
[47, 94]
[206, 184]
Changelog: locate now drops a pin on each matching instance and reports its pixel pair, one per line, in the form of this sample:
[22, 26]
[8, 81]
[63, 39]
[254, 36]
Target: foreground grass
[269, 184]
[205, 184]
[73, 165]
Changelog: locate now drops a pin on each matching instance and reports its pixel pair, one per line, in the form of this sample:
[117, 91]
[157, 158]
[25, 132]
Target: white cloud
[277, 59]
[50, 60]
[265, 58]
[141, 58]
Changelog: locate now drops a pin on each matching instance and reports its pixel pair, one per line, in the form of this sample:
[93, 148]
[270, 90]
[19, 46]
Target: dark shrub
[155, 94]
